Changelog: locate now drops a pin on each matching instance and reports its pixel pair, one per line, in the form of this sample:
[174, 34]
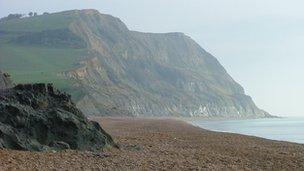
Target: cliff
[123, 72]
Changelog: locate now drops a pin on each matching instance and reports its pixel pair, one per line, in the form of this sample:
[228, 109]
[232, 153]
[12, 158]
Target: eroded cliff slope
[121, 72]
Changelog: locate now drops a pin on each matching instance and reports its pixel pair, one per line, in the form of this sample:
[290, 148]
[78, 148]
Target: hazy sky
[259, 42]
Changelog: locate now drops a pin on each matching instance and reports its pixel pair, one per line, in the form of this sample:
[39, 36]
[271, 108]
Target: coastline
[224, 118]
[165, 144]
[287, 129]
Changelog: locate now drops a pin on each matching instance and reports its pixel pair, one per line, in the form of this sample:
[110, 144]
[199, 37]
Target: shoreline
[207, 124]
[224, 119]
[187, 118]
[165, 144]
[190, 120]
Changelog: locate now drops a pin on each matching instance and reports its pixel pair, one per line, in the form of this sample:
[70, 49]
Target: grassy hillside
[31, 54]
[39, 23]
[34, 64]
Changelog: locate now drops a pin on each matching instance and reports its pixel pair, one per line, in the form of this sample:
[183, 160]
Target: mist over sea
[283, 129]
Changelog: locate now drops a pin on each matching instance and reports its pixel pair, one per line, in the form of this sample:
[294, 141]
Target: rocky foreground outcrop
[37, 117]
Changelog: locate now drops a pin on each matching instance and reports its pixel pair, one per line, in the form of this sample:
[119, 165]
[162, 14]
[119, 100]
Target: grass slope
[33, 62]
[39, 23]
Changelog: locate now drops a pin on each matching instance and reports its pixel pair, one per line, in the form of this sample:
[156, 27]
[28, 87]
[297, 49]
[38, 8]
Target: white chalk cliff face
[147, 74]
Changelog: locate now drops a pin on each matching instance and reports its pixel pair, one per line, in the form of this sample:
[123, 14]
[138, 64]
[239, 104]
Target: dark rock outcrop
[37, 117]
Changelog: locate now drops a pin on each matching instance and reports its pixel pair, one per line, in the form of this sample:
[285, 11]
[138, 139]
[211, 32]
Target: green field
[38, 23]
[37, 49]
[29, 64]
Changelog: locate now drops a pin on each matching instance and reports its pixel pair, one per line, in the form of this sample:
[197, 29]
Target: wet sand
[165, 144]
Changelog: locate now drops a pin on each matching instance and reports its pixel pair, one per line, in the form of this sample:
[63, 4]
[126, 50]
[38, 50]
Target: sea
[282, 129]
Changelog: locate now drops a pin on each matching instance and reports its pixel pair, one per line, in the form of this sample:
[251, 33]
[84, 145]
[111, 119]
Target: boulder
[36, 117]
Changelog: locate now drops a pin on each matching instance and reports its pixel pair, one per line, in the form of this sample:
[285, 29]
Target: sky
[259, 42]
